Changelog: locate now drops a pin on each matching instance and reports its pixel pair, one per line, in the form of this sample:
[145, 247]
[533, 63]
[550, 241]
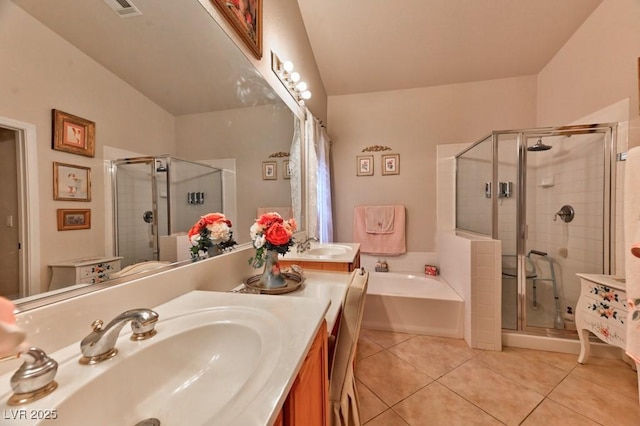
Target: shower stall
[548, 195]
[159, 196]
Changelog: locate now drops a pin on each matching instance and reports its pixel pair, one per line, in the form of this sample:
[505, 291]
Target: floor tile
[435, 356]
[390, 378]
[370, 405]
[529, 372]
[388, 418]
[563, 361]
[367, 347]
[599, 403]
[550, 413]
[610, 374]
[386, 339]
[435, 405]
[492, 392]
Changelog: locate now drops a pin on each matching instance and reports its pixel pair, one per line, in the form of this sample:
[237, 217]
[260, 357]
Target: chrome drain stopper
[149, 422]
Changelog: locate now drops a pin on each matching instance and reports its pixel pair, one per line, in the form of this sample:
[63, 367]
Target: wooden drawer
[605, 294]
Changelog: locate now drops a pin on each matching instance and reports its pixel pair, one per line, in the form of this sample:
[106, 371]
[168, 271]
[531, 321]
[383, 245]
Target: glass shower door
[135, 212]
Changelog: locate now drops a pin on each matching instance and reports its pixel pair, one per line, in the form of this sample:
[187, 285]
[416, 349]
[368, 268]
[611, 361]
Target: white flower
[219, 232]
[255, 230]
[259, 241]
[195, 240]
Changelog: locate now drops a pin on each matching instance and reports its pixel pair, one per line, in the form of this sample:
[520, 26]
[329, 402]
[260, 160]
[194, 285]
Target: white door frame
[28, 205]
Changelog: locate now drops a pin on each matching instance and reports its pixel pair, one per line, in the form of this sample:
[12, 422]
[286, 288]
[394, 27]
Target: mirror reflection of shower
[151, 202]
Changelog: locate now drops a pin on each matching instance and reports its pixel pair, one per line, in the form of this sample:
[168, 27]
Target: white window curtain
[320, 215]
[295, 166]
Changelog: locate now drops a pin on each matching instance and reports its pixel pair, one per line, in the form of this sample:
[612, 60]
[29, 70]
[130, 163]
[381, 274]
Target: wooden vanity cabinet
[324, 266]
[308, 400]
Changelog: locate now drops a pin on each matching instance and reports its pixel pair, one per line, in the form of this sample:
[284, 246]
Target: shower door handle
[487, 189]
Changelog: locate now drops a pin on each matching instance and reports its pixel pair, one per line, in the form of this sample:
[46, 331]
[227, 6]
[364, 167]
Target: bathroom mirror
[210, 100]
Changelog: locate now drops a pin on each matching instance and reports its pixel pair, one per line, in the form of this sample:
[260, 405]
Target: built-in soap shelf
[547, 182]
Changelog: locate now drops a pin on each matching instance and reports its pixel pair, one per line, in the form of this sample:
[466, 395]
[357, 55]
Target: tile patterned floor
[412, 380]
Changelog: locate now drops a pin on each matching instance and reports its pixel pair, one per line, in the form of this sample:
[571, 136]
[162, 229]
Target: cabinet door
[307, 403]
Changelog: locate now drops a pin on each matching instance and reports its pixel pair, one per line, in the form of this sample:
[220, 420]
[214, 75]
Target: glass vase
[271, 276]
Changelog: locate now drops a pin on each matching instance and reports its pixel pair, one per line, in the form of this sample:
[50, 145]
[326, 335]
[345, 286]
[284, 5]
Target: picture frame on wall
[391, 164]
[286, 169]
[71, 182]
[72, 219]
[245, 16]
[269, 170]
[364, 165]
[73, 134]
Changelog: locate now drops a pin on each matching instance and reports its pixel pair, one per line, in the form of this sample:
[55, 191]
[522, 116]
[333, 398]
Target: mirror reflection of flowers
[271, 232]
[213, 229]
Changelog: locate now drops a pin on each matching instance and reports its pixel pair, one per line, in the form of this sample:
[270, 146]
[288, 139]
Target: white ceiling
[376, 45]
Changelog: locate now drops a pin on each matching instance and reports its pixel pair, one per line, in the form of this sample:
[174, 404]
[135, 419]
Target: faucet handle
[34, 379]
[144, 327]
[97, 325]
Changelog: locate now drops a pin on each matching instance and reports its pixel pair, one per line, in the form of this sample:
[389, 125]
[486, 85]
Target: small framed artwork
[245, 16]
[391, 164]
[71, 219]
[286, 169]
[364, 165]
[71, 183]
[73, 134]
[269, 169]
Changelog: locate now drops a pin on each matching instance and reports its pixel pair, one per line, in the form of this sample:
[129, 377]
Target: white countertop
[613, 281]
[348, 257]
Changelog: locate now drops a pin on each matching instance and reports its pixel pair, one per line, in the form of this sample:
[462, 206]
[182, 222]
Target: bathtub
[417, 304]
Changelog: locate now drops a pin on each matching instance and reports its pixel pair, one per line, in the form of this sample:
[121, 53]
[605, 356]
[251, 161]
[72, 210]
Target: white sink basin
[200, 366]
[329, 250]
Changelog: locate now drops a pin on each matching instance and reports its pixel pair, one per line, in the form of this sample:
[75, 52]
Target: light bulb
[305, 95]
[287, 66]
[295, 77]
[301, 87]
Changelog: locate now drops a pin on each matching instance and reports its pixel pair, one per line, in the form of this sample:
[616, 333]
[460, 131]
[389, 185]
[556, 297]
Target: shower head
[539, 146]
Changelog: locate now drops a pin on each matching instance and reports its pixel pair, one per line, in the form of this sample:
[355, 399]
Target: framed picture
[245, 16]
[71, 219]
[269, 169]
[73, 134]
[286, 169]
[391, 164]
[71, 183]
[364, 165]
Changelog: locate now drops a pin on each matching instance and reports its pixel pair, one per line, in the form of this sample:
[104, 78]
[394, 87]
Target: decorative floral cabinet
[601, 310]
[83, 271]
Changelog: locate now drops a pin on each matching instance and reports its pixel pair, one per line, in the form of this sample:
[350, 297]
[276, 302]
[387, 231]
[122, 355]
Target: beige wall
[413, 122]
[40, 72]
[597, 67]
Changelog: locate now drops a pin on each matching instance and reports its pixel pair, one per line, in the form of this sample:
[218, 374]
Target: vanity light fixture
[290, 78]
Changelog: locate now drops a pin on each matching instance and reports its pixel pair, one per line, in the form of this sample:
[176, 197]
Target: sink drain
[149, 422]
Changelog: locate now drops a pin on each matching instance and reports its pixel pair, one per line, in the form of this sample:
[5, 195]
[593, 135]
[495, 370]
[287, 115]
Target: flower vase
[214, 250]
[271, 277]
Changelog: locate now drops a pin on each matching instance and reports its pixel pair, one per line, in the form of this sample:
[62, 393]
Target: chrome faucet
[34, 379]
[100, 344]
[305, 245]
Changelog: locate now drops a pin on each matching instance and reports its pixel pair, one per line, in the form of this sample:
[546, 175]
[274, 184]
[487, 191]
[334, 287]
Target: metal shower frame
[610, 133]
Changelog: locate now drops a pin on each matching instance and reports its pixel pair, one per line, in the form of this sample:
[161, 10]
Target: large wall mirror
[165, 82]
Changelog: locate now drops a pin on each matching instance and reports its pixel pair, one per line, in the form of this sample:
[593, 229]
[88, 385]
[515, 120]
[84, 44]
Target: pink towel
[379, 219]
[389, 244]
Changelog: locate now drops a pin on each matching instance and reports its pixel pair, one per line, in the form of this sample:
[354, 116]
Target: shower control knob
[148, 216]
[566, 214]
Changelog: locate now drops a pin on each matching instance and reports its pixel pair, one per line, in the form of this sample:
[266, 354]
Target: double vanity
[214, 356]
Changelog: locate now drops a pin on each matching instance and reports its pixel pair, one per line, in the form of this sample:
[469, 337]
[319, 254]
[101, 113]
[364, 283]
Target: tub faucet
[305, 245]
[34, 379]
[100, 344]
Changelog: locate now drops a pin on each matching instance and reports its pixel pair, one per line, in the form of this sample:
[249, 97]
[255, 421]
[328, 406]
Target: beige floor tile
[386, 339]
[532, 373]
[367, 347]
[599, 403]
[566, 362]
[390, 378]
[502, 398]
[435, 405]
[370, 405]
[435, 356]
[610, 374]
[551, 413]
[388, 418]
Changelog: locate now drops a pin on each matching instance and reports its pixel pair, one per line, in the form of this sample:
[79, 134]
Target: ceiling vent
[123, 8]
